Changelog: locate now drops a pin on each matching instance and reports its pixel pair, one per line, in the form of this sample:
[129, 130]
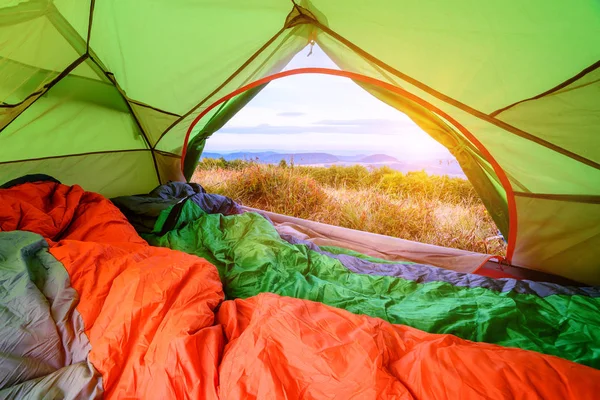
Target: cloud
[378, 123]
[290, 114]
[351, 126]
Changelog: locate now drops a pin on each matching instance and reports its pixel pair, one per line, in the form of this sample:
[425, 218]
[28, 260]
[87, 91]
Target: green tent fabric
[252, 258]
[101, 93]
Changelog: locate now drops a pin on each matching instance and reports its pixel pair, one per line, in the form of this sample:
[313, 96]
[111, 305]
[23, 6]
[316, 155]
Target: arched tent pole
[512, 207]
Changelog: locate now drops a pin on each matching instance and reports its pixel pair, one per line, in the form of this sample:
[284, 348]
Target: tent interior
[118, 98]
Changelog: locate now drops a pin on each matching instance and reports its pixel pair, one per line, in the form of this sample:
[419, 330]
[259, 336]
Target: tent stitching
[49, 86]
[78, 43]
[53, 15]
[572, 198]
[304, 16]
[90, 20]
[103, 70]
[27, 11]
[162, 153]
[314, 22]
[561, 85]
[73, 155]
[166, 153]
[13, 105]
[41, 91]
[139, 103]
[112, 78]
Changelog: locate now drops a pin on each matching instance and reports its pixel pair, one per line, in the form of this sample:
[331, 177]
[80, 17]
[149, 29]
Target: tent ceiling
[115, 84]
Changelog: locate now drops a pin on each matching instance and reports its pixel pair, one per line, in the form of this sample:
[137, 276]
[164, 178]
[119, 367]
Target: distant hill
[355, 158]
[431, 166]
[379, 158]
[269, 157]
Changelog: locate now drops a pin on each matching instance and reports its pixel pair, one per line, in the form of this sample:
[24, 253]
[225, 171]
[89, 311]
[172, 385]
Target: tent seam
[110, 76]
[449, 100]
[203, 135]
[570, 198]
[556, 88]
[14, 105]
[72, 36]
[73, 155]
[222, 85]
[90, 20]
[49, 86]
[135, 118]
[141, 104]
[166, 153]
[41, 91]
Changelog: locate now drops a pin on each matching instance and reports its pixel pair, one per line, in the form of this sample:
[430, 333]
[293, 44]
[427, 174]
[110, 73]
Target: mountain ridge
[378, 158]
[433, 167]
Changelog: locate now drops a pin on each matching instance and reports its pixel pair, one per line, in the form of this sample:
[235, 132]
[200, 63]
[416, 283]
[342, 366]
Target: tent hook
[311, 41]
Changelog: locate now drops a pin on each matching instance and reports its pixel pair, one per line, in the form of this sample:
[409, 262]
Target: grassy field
[416, 206]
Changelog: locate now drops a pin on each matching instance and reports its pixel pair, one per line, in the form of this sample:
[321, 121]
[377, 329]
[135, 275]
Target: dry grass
[430, 209]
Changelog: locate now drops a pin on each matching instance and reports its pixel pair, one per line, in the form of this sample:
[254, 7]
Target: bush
[429, 187]
[211, 163]
[214, 163]
[278, 190]
[336, 176]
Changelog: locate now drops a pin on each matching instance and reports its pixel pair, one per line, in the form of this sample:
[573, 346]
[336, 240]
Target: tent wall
[270, 58]
[485, 54]
[116, 87]
[102, 92]
[109, 173]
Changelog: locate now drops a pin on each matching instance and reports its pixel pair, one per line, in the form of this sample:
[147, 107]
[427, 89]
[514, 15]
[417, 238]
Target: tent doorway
[437, 210]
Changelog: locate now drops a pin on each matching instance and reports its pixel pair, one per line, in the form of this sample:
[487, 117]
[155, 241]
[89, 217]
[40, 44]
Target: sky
[322, 113]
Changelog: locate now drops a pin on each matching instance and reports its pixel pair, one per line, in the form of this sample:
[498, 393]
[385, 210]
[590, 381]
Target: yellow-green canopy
[100, 93]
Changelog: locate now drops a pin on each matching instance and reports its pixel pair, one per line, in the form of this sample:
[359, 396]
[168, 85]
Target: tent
[103, 93]
[166, 291]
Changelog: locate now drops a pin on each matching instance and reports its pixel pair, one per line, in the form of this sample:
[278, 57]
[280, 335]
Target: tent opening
[321, 148]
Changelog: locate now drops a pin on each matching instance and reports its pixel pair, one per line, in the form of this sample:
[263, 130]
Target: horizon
[433, 166]
[322, 114]
[332, 152]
